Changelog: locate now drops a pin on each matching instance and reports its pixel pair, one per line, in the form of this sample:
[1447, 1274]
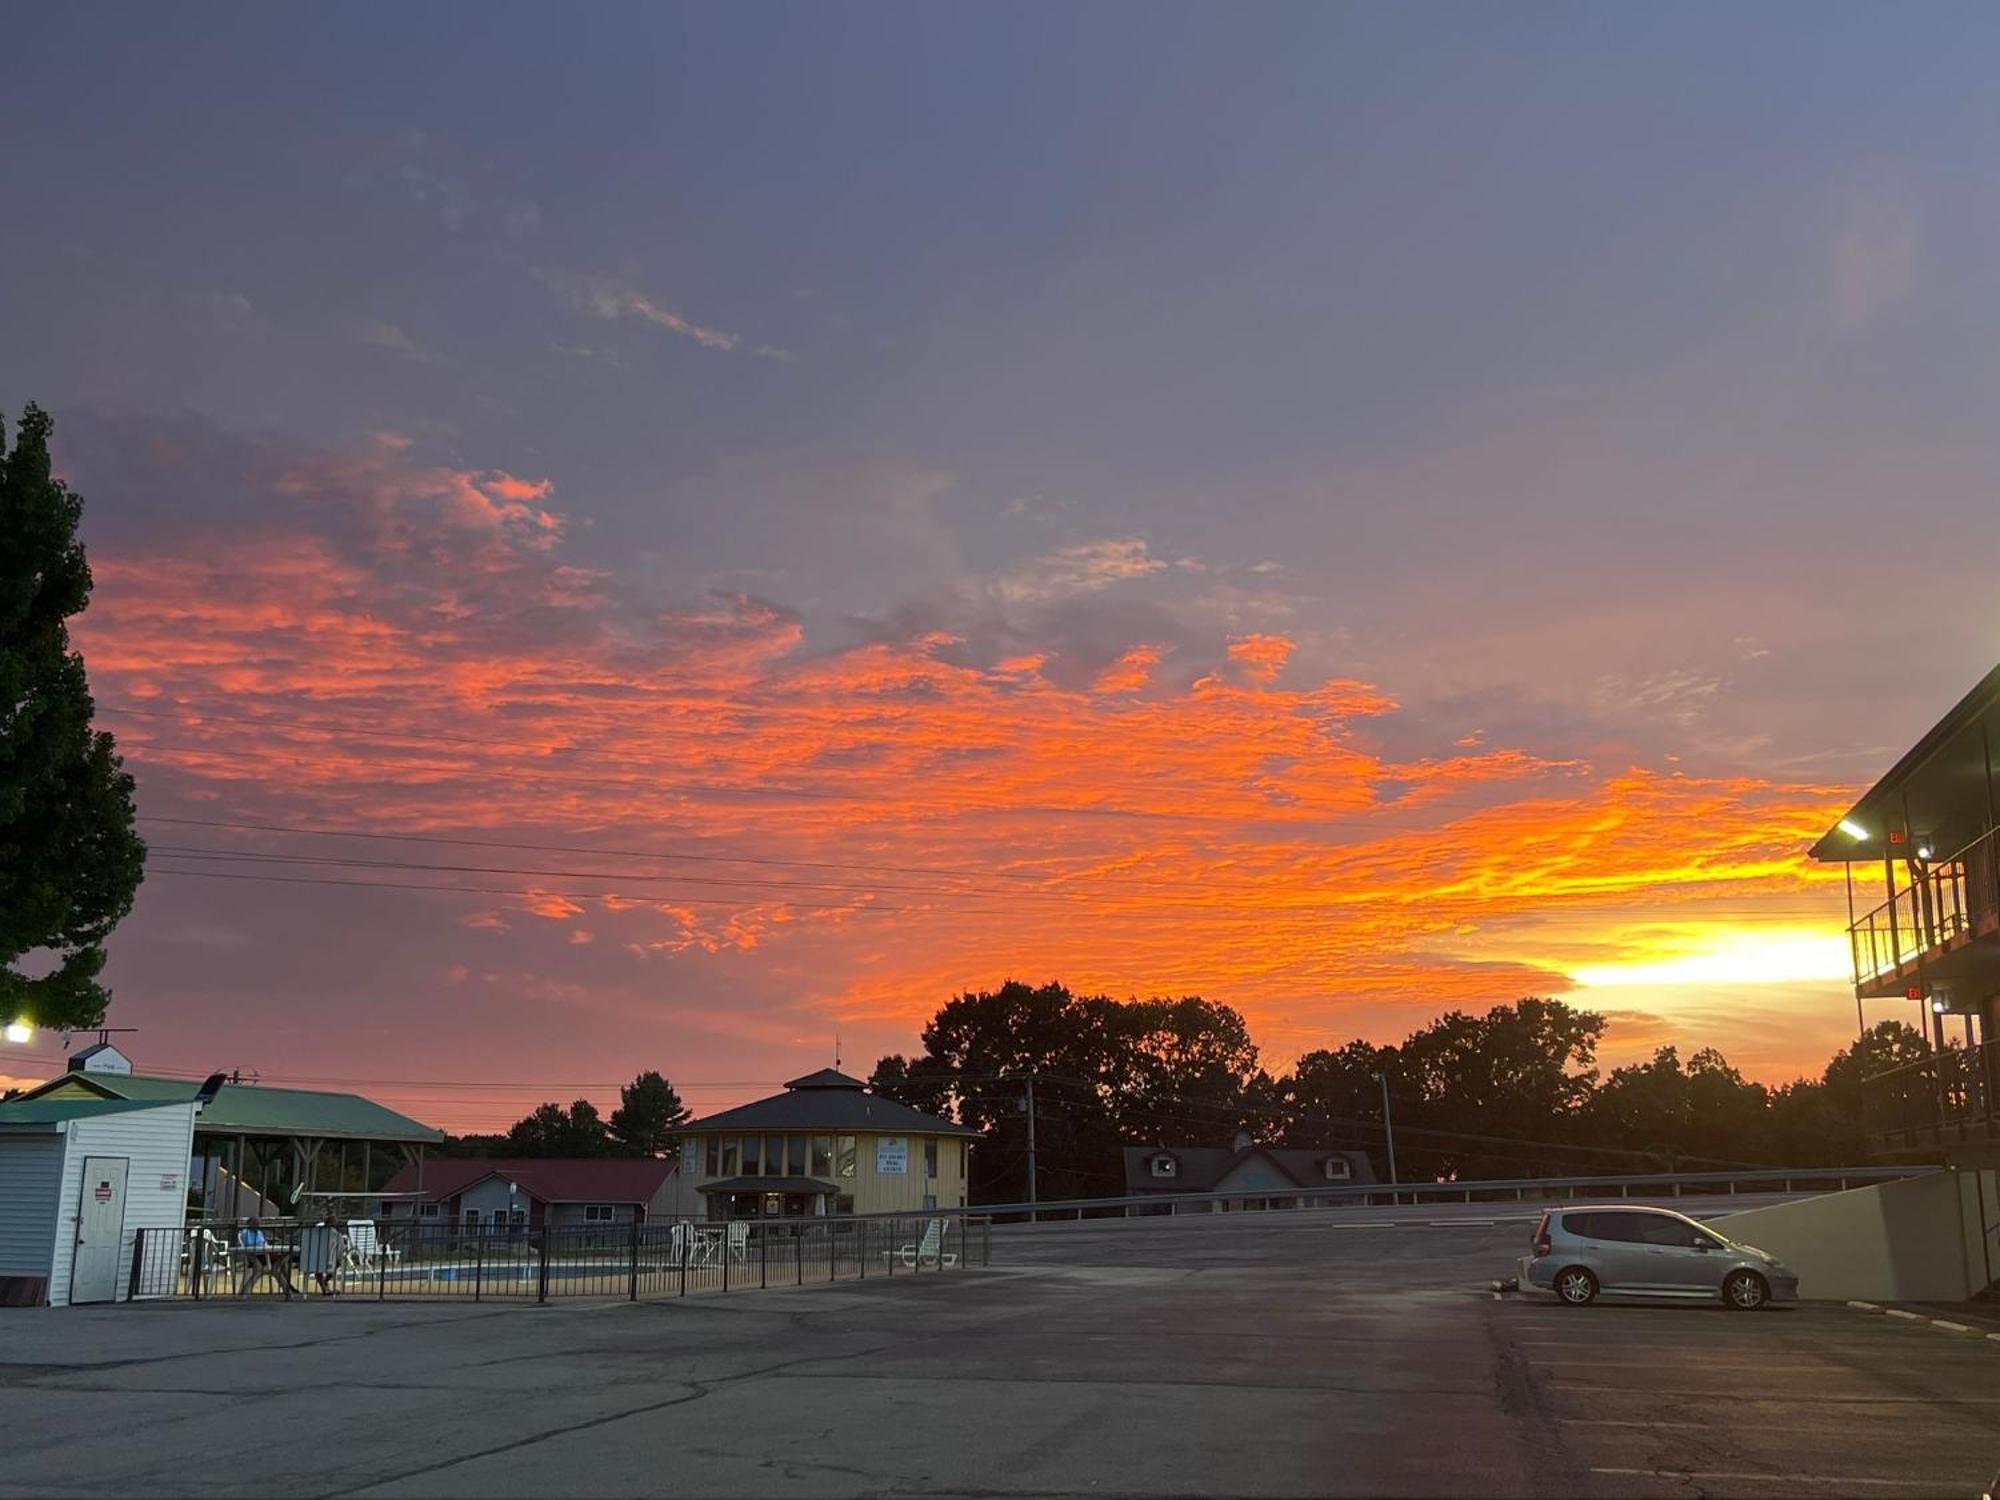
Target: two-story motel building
[825, 1146]
[1924, 931]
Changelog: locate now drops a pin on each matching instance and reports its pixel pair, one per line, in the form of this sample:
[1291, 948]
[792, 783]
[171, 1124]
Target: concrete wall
[1933, 1239]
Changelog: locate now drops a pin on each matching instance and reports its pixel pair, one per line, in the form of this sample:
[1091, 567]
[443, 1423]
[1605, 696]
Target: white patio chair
[370, 1251]
[739, 1240]
[214, 1256]
[926, 1251]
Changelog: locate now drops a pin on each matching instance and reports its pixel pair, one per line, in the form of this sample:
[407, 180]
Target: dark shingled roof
[828, 1101]
[547, 1179]
[1203, 1167]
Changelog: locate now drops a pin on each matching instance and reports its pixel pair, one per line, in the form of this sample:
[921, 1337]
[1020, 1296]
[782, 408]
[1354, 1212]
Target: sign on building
[892, 1155]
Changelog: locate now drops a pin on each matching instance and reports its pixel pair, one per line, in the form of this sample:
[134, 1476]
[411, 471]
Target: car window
[1658, 1229]
[1618, 1228]
[1598, 1226]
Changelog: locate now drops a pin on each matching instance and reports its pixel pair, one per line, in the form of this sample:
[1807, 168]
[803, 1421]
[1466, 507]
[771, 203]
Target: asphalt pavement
[1254, 1354]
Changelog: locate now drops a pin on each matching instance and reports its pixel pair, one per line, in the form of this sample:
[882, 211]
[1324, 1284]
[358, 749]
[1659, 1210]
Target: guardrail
[1654, 1184]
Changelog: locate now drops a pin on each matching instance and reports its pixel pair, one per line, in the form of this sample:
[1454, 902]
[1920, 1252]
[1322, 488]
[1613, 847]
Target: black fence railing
[384, 1259]
[1951, 1095]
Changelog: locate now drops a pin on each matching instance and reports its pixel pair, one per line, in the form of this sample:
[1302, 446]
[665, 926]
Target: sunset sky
[784, 513]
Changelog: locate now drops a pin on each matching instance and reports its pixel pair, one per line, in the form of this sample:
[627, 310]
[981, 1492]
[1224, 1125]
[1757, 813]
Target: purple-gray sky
[1351, 510]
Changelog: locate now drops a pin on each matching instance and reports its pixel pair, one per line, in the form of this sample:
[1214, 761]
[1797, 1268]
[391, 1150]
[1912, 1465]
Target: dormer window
[1338, 1169]
[1165, 1165]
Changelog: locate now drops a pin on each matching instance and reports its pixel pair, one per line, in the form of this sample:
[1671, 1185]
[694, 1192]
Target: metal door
[1685, 1261]
[100, 1231]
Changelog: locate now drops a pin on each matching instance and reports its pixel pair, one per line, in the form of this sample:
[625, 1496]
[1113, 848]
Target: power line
[656, 898]
[203, 852]
[732, 859]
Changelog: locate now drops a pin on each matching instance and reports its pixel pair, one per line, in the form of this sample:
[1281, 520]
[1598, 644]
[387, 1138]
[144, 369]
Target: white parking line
[1704, 1476]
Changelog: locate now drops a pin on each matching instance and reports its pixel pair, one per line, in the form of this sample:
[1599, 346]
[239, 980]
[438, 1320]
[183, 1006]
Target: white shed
[78, 1179]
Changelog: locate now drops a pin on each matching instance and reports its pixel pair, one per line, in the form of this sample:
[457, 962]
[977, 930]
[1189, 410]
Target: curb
[1964, 1330]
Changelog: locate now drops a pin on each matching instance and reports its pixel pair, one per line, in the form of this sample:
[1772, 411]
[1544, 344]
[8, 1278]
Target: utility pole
[1389, 1128]
[1032, 1196]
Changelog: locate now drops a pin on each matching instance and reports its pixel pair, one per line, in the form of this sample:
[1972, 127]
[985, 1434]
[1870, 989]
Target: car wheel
[1576, 1286]
[1745, 1291]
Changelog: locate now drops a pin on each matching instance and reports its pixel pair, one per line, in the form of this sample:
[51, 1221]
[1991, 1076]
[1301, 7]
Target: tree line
[649, 1111]
[1513, 1092]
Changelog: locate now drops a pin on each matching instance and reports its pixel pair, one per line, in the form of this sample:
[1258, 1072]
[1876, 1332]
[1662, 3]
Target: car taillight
[1542, 1245]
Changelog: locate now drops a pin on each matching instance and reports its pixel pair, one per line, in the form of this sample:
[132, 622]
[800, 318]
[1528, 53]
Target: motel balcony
[1938, 930]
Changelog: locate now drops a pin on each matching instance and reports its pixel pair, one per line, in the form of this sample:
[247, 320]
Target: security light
[1923, 851]
[1853, 829]
[1938, 1006]
[20, 1033]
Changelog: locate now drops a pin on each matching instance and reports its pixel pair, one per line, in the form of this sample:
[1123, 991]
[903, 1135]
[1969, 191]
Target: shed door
[100, 1229]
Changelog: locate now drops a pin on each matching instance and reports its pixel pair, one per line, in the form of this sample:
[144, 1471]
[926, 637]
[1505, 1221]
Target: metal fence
[1949, 1096]
[384, 1259]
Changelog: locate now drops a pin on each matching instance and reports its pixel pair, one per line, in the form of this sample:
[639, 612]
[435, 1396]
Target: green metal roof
[251, 1109]
[34, 1112]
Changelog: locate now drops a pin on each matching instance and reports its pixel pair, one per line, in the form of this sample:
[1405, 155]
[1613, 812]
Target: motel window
[472, 1218]
[597, 1213]
[774, 1156]
[961, 1158]
[431, 1210]
[753, 1147]
[728, 1156]
[930, 1202]
[930, 1160]
[518, 1216]
[1337, 1169]
[843, 1156]
[822, 1156]
[713, 1144]
[843, 1203]
[795, 1155]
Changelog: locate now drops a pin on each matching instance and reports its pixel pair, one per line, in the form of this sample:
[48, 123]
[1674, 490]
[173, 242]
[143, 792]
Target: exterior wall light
[20, 1033]
[1853, 829]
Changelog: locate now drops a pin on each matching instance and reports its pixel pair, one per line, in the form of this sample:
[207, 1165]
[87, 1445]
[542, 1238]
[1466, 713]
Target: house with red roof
[532, 1192]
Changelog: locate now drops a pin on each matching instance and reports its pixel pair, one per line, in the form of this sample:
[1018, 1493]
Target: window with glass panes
[843, 1155]
[822, 1156]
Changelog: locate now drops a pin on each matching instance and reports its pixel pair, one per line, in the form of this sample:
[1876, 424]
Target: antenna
[836, 1048]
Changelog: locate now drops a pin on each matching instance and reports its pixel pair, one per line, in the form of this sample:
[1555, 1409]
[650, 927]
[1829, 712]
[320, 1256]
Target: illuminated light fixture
[1923, 851]
[1853, 829]
[1938, 1007]
[20, 1033]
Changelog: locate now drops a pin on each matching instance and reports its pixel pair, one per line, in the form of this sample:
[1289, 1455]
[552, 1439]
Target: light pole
[1389, 1128]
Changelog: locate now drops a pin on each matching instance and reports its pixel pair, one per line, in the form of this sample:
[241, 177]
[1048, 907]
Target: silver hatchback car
[1616, 1250]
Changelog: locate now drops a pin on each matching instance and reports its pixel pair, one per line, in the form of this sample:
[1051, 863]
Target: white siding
[157, 1143]
[30, 1170]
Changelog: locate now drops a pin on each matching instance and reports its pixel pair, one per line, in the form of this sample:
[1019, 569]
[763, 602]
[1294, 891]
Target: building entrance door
[100, 1230]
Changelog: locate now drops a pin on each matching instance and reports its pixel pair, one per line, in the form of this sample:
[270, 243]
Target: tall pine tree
[70, 862]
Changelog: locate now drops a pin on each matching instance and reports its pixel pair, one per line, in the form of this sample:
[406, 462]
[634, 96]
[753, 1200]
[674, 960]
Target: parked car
[1616, 1250]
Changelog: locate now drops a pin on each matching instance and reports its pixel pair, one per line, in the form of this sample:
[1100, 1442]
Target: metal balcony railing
[1952, 1095]
[1950, 898]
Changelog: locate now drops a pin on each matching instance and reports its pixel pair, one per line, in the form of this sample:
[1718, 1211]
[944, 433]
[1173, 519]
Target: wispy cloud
[1082, 568]
[601, 294]
[378, 334]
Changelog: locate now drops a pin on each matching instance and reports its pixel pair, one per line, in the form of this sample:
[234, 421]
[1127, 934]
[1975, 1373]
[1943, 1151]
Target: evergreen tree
[648, 1111]
[70, 862]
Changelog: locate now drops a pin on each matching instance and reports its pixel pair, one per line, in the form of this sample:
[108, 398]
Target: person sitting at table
[259, 1259]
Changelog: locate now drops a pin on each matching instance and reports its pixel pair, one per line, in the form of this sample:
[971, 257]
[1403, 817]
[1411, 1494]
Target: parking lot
[1246, 1354]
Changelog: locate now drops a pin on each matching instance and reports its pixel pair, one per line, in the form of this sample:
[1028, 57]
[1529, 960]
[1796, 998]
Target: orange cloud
[405, 652]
